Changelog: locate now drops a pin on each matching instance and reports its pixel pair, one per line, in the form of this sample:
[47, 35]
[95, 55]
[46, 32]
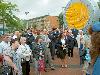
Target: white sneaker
[62, 66]
[65, 66]
[69, 58]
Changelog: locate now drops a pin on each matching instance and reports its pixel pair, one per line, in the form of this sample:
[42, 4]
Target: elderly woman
[25, 52]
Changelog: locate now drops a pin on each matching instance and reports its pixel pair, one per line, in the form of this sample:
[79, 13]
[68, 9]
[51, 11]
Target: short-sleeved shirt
[3, 46]
[24, 51]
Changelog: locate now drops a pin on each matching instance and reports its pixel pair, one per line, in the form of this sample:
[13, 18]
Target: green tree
[61, 22]
[6, 12]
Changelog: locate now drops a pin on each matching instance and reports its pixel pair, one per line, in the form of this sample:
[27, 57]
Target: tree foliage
[6, 12]
[61, 22]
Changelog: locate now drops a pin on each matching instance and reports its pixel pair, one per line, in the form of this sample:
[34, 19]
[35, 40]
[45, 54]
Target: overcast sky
[39, 7]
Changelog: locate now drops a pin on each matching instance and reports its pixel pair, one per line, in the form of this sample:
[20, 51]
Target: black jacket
[70, 41]
[59, 44]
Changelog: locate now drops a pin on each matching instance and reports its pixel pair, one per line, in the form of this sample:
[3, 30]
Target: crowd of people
[40, 47]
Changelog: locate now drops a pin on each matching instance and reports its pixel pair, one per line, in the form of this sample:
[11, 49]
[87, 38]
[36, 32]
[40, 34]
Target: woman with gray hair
[25, 52]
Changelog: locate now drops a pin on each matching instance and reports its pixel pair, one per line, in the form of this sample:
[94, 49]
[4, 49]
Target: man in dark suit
[30, 38]
[70, 42]
[53, 37]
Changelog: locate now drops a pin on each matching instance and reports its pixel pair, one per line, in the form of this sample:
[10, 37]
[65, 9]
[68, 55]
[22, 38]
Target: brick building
[42, 22]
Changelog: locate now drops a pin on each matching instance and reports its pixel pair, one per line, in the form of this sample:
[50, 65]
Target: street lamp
[63, 9]
[26, 13]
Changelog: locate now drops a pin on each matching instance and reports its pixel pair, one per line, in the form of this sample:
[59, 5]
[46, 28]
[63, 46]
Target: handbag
[41, 65]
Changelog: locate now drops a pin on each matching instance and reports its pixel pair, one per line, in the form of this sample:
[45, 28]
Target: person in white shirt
[25, 52]
[4, 43]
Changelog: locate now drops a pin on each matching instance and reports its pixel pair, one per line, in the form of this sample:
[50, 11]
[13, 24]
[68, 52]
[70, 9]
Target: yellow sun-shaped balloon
[77, 15]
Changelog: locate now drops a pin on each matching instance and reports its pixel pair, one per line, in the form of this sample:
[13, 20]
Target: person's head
[66, 32]
[29, 30]
[38, 32]
[16, 33]
[41, 32]
[39, 39]
[61, 35]
[44, 31]
[80, 32]
[23, 40]
[94, 31]
[14, 43]
[57, 29]
[6, 38]
[70, 32]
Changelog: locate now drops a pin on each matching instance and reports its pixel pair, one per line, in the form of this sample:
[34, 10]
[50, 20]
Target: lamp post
[26, 13]
[63, 9]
